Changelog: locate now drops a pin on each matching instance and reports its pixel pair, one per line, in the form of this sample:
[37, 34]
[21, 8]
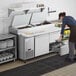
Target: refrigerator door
[54, 36]
[41, 45]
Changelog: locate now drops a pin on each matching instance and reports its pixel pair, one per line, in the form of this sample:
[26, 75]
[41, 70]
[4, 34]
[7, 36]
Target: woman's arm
[62, 30]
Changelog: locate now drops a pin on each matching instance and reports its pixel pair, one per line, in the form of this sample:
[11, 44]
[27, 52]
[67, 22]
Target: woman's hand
[60, 38]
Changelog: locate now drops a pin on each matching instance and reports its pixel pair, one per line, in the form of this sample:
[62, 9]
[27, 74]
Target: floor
[65, 71]
[11, 65]
[17, 63]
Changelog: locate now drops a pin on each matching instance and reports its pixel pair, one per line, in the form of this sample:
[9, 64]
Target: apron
[72, 37]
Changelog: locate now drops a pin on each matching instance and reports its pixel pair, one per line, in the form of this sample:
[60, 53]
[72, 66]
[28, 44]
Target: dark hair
[62, 14]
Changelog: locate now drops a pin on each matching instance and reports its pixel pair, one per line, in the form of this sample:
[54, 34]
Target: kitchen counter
[39, 30]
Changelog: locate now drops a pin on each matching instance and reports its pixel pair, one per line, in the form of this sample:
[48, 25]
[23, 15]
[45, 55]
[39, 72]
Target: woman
[71, 22]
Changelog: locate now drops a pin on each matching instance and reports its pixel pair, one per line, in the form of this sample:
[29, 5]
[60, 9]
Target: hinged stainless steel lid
[20, 17]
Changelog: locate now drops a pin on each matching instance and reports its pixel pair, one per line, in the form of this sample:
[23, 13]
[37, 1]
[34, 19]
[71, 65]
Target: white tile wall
[4, 4]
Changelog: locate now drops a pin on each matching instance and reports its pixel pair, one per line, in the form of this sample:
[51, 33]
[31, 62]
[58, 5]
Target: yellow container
[66, 32]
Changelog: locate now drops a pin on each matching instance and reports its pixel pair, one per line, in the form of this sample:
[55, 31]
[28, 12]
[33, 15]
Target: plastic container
[10, 43]
[65, 48]
[3, 44]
